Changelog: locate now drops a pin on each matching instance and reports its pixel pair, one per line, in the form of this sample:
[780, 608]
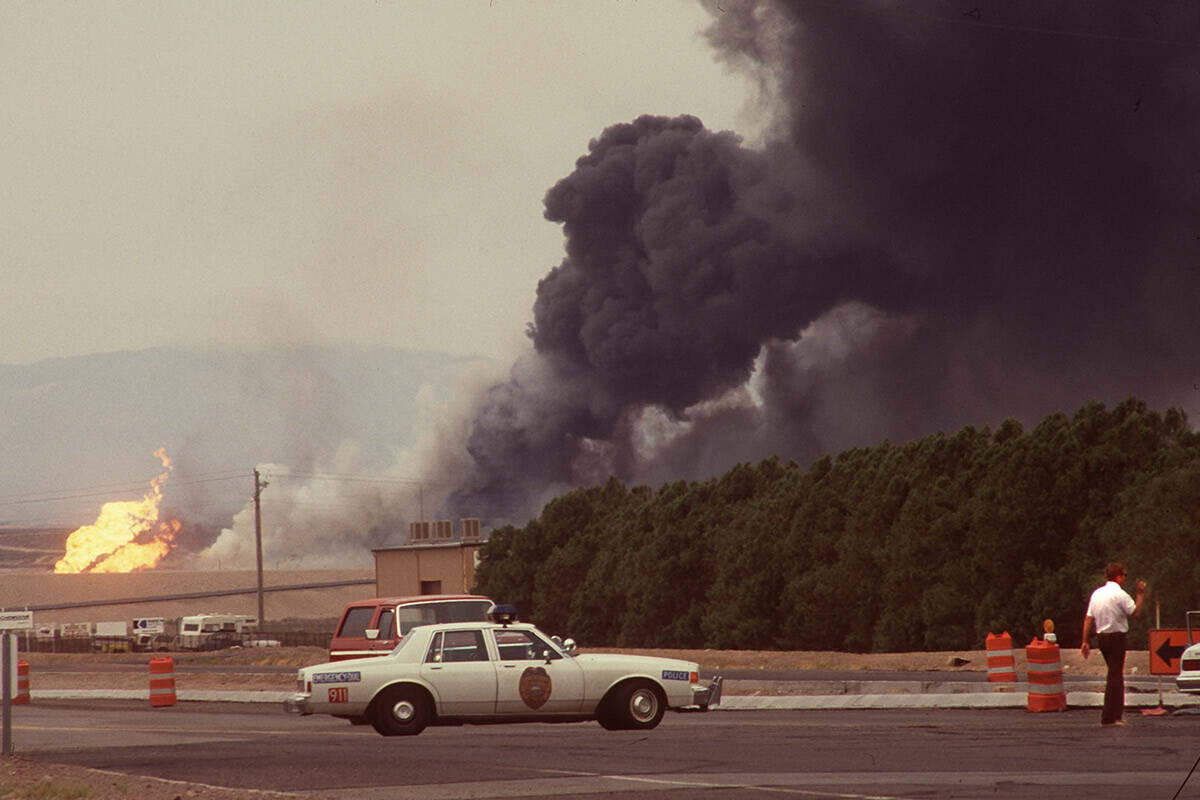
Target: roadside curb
[965, 700]
[182, 695]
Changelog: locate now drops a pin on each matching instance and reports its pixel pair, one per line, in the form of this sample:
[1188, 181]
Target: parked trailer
[110, 637]
[200, 630]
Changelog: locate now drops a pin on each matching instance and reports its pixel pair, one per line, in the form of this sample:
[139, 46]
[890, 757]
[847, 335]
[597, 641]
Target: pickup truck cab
[374, 626]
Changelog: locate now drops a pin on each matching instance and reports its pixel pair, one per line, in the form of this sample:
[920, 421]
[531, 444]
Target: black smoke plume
[962, 212]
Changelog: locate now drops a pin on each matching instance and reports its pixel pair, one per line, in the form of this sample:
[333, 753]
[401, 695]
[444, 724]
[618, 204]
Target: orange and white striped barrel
[1043, 666]
[1000, 665]
[162, 682]
[22, 697]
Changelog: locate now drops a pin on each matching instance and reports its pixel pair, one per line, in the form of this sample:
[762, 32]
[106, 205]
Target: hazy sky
[263, 172]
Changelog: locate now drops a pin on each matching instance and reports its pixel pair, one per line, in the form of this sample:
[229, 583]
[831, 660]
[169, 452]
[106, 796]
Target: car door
[459, 669]
[533, 677]
[386, 639]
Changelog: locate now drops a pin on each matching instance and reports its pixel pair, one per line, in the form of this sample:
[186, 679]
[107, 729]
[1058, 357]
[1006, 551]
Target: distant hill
[71, 427]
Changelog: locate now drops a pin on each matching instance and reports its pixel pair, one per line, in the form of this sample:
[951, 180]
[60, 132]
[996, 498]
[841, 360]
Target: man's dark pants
[1112, 646]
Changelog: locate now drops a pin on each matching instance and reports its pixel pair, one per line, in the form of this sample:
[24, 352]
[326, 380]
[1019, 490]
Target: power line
[101, 489]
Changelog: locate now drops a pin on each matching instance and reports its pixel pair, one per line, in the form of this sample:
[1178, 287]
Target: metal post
[6, 644]
[258, 486]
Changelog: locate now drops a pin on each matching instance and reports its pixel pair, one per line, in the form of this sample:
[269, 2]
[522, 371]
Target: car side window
[461, 646]
[456, 647]
[522, 646]
[434, 656]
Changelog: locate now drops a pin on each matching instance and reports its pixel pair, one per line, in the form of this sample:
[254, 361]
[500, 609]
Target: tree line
[928, 545]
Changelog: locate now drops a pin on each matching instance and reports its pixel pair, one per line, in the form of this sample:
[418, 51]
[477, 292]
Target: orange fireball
[127, 535]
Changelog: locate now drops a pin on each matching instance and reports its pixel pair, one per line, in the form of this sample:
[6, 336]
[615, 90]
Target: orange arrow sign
[1166, 646]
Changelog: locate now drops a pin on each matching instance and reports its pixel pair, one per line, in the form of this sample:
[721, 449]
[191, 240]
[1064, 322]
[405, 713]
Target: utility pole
[259, 485]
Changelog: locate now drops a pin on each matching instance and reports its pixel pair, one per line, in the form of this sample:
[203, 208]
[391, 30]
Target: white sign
[16, 620]
[149, 625]
[74, 630]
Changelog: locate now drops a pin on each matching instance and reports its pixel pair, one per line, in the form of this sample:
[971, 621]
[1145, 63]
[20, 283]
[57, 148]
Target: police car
[1188, 679]
[498, 670]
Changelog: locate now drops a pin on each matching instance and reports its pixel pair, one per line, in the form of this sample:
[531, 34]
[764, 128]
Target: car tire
[633, 706]
[400, 711]
[606, 717]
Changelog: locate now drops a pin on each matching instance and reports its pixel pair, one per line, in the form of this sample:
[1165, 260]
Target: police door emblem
[535, 687]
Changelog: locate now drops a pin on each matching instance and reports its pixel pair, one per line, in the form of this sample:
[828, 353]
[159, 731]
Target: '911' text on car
[501, 671]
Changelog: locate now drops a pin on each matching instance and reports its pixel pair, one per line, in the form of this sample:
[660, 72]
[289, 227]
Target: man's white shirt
[1110, 608]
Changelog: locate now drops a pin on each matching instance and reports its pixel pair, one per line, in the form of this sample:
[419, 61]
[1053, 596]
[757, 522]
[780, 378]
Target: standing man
[1109, 610]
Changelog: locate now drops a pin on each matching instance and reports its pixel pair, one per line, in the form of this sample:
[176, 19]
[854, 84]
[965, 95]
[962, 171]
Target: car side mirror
[569, 647]
[371, 633]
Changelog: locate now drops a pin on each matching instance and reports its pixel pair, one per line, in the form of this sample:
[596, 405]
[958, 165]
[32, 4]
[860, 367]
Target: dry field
[23, 588]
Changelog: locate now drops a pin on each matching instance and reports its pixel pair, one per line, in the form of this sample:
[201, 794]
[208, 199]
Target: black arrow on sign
[1169, 652]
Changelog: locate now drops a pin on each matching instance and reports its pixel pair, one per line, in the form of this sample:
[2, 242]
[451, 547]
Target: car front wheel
[637, 705]
[400, 711]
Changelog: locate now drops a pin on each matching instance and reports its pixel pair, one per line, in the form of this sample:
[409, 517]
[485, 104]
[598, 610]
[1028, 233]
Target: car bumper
[707, 696]
[1189, 684]
[297, 704]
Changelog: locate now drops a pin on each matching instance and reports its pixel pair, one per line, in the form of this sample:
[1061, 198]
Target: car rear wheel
[400, 711]
[636, 705]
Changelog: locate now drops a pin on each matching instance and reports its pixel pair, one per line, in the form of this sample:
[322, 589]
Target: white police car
[1188, 679]
[498, 671]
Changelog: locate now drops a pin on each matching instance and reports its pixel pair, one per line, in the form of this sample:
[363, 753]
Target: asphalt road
[845, 754]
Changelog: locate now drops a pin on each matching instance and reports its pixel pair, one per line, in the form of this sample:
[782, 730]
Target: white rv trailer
[196, 629]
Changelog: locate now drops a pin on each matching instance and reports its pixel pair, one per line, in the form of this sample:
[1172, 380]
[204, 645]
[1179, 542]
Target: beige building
[430, 564]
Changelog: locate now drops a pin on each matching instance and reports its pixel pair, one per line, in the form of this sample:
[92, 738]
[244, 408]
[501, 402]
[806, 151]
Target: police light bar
[504, 615]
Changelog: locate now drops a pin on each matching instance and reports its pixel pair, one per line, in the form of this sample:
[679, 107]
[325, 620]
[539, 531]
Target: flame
[127, 535]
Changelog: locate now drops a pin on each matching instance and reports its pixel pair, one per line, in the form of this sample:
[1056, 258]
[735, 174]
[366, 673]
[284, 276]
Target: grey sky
[270, 172]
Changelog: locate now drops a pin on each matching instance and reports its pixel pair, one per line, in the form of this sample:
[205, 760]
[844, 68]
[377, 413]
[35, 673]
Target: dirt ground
[23, 778]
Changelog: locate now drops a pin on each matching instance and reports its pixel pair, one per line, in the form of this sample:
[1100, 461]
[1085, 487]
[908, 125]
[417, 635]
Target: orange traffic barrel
[1043, 667]
[1000, 665]
[162, 682]
[22, 697]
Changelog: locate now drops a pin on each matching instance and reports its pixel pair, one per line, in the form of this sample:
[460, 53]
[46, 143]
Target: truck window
[414, 614]
[387, 627]
[409, 617]
[463, 611]
[357, 621]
